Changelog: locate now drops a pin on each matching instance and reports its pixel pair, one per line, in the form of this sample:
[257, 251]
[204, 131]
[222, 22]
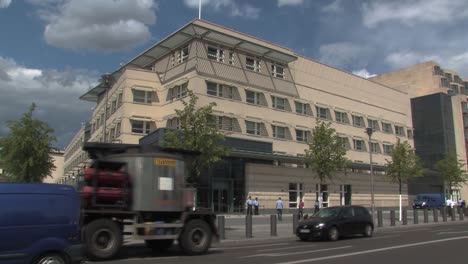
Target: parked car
[429, 200]
[333, 222]
[39, 224]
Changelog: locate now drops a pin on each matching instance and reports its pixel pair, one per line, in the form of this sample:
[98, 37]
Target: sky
[53, 51]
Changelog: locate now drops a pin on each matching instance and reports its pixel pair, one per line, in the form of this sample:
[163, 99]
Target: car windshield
[327, 212]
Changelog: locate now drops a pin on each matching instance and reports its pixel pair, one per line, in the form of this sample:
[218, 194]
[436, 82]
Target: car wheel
[333, 234]
[51, 259]
[368, 230]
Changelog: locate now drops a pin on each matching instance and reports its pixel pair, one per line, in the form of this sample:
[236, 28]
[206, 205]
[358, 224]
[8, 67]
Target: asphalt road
[429, 244]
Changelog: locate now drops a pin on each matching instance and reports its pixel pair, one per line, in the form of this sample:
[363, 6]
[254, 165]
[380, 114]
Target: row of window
[448, 76]
[110, 108]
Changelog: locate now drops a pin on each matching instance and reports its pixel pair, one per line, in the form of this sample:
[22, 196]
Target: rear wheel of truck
[103, 239]
[159, 244]
[196, 237]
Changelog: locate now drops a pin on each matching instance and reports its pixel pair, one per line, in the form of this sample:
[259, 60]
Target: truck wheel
[159, 244]
[195, 238]
[103, 239]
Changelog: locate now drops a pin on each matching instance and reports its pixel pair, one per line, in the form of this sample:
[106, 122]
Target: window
[438, 71]
[387, 128]
[296, 192]
[252, 128]
[279, 131]
[173, 123]
[179, 91]
[102, 119]
[344, 142]
[140, 127]
[302, 135]
[360, 211]
[215, 53]
[374, 124]
[252, 64]
[214, 89]
[449, 77]
[341, 117]
[454, 88]
[301, 108]
[119, 99]
[114, 106]
[182, 54]
[409, 133]
[253, 97]
[358, 121]
[375, 148]
[277, 70]
[322, 112]
[387, 148]
[278, 102]
[231, 58]
[359, 145]
[444, 82]
[117, 129]
[140, 96]
[112, 134]
[400, 131]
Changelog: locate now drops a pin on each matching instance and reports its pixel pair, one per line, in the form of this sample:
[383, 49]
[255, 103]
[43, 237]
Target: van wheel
[195, 238]
[103, 239]
[51, 259]
[159, 244]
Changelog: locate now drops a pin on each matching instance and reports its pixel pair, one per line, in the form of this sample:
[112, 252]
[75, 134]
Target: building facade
[440, 115]
[264, 93]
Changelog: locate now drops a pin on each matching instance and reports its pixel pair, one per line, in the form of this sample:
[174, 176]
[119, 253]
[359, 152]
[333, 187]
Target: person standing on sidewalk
[249, 206]
[256, 205]
[301, 209]
[279, 209]
[317, 206]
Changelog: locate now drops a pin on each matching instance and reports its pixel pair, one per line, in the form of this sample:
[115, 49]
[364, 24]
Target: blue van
[39, 224]
[429, 200]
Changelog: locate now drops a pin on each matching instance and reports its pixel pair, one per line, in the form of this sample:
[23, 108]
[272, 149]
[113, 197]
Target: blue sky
[52, 51]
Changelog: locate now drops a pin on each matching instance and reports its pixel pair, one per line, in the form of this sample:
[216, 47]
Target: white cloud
[55, 92]
[105, 25]
[290, 2]
[234, 9]
[5, 3]
[364, 73]
[342, 54]
[402, 59]
[412, 12]
[335, 7]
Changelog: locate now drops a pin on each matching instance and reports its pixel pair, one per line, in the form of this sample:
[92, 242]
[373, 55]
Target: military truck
[140, 191]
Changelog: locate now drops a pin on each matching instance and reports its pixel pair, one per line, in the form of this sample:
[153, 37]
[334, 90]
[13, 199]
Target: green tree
[403, 165]
[197, 133]
[452, 172]
[326, 152]
[25, 151]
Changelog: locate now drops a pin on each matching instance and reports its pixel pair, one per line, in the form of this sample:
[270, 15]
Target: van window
[35, 209]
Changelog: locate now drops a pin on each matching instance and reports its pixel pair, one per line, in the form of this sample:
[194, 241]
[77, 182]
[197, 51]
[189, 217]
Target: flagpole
[199, 9]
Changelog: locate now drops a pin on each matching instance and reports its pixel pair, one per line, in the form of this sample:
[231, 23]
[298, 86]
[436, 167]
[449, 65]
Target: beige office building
[265, 94]
[426, 79]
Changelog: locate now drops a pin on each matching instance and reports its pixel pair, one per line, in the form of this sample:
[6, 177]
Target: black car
[332, 222]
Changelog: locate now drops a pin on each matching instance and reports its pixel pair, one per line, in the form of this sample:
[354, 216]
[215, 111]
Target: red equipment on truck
[142, 187]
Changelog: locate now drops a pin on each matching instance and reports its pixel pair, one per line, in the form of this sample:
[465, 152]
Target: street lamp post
[369, 132]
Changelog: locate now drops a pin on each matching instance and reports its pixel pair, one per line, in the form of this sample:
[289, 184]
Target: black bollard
[452, 214]
[221, 229]
[444, 213]
[273, 225]
[248, 226]
[415, 217]
[295, 222]
[405, 216]
[426, 216]
[436, 215]
[392, 217]
[462, 216]
[466, 211]
[379, 218]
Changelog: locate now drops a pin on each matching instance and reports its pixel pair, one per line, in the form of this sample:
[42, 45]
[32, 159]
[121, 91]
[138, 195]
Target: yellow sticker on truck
[165, 162]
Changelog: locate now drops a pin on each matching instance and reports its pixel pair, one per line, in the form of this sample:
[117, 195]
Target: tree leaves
[452, 171]
[198, 132]
[25, 151]
[404, 164]
[326, 153]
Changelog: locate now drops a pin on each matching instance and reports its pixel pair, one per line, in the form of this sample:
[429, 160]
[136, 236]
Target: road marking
[255, 246]
[452, 232]
[293, 253]
[442, 230]
[143, 258]
[383, 237]
[373, 250]
[412, 230]
[273, 249]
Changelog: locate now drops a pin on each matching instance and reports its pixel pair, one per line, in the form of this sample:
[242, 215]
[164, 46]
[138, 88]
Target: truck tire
[159, 244]
[103, 239]
[196, 237]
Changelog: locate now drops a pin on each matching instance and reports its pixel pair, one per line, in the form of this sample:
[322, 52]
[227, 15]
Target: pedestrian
[249, 206]
[256, 205]
[279, 209]
[449, 206]
[317, 206]
[301, 209]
